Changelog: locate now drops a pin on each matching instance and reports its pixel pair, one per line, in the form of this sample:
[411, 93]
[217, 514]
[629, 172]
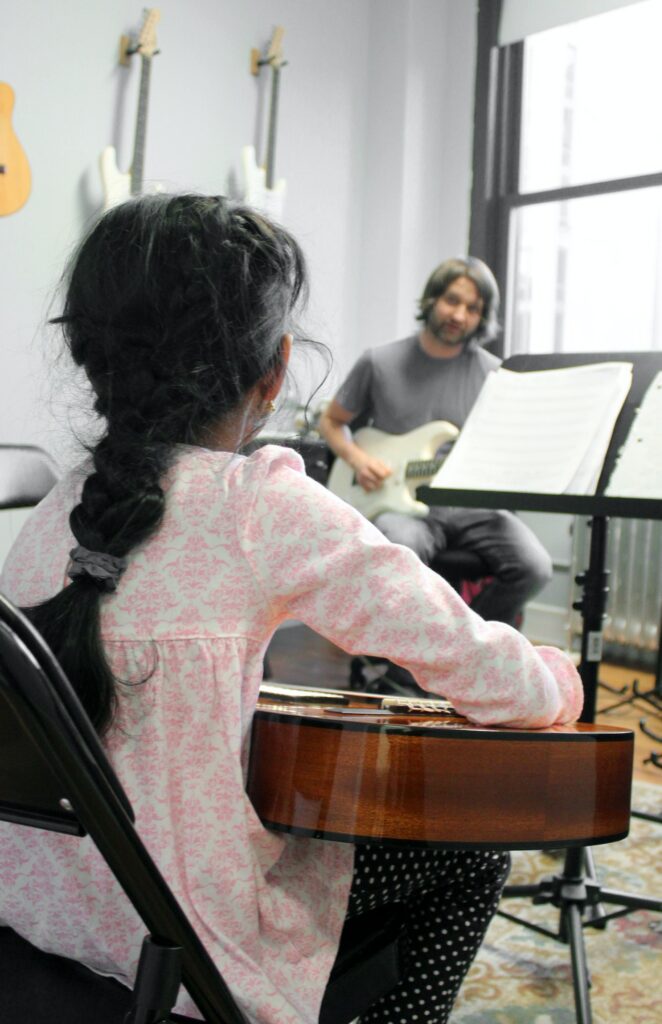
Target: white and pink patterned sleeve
[319, 561]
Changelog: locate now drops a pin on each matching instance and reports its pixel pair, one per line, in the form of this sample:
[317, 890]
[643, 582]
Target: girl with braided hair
[159, 570]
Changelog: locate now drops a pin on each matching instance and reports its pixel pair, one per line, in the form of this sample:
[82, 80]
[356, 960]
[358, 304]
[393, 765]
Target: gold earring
[270, 407]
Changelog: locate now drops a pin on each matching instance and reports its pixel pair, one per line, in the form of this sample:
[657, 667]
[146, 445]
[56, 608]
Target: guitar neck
[138, 162]
[270, 166]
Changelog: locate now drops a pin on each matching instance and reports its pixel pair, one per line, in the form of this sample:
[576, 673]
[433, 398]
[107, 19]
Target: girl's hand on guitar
[370, 471]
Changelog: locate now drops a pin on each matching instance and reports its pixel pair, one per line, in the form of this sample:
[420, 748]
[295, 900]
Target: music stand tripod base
[578, 897]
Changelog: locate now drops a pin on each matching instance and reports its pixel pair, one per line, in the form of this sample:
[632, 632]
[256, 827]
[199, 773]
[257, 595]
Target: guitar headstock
[274, 54]
[146, 43]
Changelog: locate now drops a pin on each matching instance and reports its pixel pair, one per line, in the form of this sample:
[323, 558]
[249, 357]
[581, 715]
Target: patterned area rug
[522, 977]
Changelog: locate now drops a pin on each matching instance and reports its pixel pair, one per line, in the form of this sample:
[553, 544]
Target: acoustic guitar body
[363, 775]
[15, 177]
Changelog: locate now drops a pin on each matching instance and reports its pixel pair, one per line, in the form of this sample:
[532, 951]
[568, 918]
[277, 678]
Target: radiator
[634, 561]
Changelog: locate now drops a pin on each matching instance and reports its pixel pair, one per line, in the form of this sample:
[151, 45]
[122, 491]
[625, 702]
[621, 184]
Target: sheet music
[544, 432]
[638, 470]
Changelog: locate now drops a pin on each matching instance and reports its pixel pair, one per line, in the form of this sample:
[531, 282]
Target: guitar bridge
[422, 705]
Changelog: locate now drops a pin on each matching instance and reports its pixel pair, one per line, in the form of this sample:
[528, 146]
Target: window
[568, 188]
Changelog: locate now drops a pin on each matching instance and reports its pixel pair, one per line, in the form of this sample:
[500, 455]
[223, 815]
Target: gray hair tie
[104, 569]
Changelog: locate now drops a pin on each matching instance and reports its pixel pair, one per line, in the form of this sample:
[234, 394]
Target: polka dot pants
[451, 897]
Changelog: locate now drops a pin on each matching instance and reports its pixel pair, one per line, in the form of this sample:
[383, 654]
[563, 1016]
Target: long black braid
[175, 307]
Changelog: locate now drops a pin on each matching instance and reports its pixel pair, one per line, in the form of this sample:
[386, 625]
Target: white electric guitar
[261, 189]
[413, 458]
[117, 187]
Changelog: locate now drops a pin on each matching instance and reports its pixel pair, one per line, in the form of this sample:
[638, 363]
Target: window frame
[495, 191]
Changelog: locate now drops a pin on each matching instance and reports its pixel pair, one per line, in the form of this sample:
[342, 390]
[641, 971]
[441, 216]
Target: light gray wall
[417, 165]
[375, 136]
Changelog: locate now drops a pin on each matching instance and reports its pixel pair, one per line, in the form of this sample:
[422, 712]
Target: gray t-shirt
[398, 387]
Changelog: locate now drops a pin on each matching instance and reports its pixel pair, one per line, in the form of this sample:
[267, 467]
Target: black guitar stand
[653, 696]
[656, 760]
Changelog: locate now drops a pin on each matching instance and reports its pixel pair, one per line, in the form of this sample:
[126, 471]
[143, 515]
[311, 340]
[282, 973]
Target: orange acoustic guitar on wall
[15, 177]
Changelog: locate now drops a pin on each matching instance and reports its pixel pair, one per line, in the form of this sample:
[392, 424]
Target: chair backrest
[54, 775]
[27, 474]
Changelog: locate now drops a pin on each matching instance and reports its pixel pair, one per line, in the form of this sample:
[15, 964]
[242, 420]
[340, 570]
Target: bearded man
[436, 374]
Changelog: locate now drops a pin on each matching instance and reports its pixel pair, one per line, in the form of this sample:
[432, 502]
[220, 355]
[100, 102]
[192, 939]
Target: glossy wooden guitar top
[356, 773]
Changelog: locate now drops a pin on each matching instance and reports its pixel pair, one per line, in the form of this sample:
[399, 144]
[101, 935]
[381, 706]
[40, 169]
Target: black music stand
[576, 892]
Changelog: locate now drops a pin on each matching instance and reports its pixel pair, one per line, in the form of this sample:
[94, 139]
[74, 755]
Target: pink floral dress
[245, 544]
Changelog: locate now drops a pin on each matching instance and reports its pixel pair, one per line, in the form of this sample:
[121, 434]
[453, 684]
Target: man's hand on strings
[370, 471]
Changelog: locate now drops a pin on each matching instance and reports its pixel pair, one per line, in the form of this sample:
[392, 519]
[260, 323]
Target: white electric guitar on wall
[117, 187]
[413, 458]
[261, 189]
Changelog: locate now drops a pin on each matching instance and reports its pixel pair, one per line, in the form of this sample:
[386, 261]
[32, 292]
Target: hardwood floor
[298, 655]
[631, 715]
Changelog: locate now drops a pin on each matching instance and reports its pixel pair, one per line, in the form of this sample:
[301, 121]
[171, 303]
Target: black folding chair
[55, 775]
[27, 474]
